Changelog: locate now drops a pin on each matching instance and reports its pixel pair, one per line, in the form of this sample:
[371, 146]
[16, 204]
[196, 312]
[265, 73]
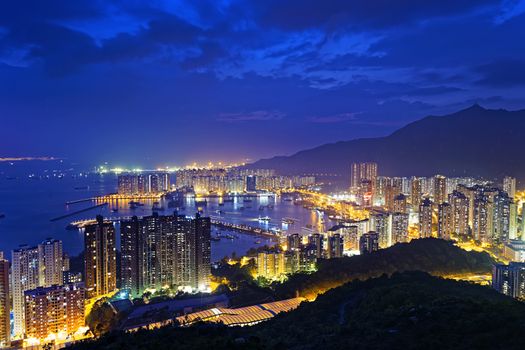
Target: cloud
[337, 118]
[251, 116]
[502, 73]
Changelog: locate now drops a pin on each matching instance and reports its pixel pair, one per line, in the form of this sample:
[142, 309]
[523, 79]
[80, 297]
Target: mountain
[410, 310]
[474, 141]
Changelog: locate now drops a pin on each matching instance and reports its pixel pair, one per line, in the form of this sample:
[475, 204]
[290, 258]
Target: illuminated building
[523, 222]
[25, 276]
[136, 184]
[399, 228]
[100, 259]
[400, 203]
[365, 193]
[5, 303]
[504, 218]
[514, 250]
[391, 192]
[294, 242]
[51, 265]
[470, 194]
[170, 250]
[509, 279]
[460, 213]
[251, 183]
[381, 223]
[363, 171]
[315, 245]
[425, 218]
[54, 310]
[509, 186]
[334, 247]
[445, 221]
[416, 193]
[132, 251]
[369, 242]
[440, 189]
[482, 227]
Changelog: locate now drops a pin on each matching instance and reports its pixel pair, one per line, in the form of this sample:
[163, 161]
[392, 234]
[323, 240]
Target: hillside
[434, 256]
[405, 311]
[474, 141]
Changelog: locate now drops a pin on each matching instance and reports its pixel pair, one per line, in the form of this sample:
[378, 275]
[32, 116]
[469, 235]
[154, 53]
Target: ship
[114, 210]
[265, 218]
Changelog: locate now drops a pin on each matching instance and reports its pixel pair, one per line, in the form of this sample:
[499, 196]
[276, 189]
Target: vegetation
[410, 310]
[435, 256]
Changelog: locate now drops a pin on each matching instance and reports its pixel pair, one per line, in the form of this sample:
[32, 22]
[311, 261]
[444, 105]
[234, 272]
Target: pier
[79, 211]
[251, 230]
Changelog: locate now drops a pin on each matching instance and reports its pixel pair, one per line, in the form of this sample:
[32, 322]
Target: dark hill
[474, 141]
[434, 256]
[410, 310]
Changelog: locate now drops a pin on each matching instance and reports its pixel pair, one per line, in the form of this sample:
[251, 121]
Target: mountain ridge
[471, 142]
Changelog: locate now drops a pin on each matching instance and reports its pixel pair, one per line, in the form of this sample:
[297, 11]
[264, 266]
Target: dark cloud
[364, 15]
[205, 69]
[502, 73]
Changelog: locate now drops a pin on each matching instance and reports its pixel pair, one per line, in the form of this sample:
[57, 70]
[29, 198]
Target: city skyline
[174, 72]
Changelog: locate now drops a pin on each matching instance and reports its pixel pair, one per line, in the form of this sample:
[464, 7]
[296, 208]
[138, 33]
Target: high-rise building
[51, 264]
[460, 213]
[509, 186]
[399, 228]
[509, 279]
[445, 221]
[369, 242]
[53, 310]
[5, 327]
[440, 189]
[334, 247]
[170, 250]
[392, 190]
[363, 171]
[25, 275]
[382, 224]
[251, 183]
[416, 193]
[503, 218]
[425, 218]
[132, 253]
[133, 184]
[100, 258]
[315, 245]
[294, 242]
[482, 226]
[400, 203]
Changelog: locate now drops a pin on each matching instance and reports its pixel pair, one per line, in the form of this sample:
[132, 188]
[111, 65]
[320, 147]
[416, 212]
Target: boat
[215, 239]
[265, 219]
[287, 199]
[247, 200]
[218, 211]
[78, 188]
[221, 204]
[258, 241]
[133, 206]
[114, 210]
[288, 221]
[270, 206]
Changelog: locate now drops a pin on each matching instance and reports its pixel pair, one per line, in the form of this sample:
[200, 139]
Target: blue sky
[168, 82]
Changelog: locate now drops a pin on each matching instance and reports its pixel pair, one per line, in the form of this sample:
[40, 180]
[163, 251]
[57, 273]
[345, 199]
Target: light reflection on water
[30, 204]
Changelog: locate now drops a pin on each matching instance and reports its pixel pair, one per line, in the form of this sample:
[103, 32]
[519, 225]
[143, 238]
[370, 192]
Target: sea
[34, 197]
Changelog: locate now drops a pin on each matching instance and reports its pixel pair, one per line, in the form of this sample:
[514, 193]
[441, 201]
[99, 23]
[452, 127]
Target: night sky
[168, 82]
